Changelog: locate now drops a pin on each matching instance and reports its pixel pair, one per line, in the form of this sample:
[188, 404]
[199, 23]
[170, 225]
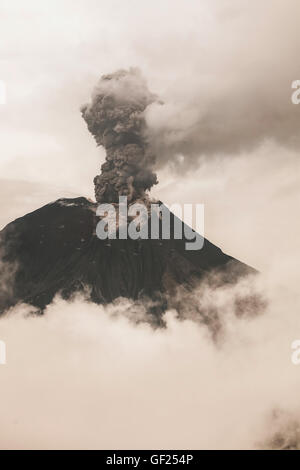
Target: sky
[227, 136]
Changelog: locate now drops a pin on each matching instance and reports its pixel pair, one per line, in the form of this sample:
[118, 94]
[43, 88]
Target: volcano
[55, 250]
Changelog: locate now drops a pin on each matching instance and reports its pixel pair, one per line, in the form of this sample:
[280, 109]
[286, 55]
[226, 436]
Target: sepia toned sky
[227, 134]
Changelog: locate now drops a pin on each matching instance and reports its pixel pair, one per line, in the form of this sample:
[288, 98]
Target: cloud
[87, 376]
[115, 117]
[236, 94]
[223, 69]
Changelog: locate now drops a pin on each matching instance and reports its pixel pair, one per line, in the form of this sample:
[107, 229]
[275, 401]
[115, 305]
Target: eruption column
[115, 117]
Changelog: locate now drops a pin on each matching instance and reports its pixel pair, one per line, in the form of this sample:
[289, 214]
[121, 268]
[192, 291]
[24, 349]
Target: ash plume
[115, 117]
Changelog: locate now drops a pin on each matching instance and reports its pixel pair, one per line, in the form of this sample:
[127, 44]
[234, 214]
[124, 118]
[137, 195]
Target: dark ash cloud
[115, 117]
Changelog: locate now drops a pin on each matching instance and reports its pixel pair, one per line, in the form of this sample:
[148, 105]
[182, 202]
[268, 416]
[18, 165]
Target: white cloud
[85, 376]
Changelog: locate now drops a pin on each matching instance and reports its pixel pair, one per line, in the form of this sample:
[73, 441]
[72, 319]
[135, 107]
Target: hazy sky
[226, 136]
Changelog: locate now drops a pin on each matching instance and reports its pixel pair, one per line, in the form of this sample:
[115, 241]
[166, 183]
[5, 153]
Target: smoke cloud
[235, 92]
[224, 70]
[115, 117]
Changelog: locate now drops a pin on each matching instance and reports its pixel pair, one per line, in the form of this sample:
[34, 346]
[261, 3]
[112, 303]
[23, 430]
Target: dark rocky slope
[55, 250]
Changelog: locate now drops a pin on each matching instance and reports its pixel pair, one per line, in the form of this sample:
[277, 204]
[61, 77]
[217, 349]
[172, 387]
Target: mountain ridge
[54, 250]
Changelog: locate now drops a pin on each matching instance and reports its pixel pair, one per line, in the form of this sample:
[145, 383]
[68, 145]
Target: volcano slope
[55, 250]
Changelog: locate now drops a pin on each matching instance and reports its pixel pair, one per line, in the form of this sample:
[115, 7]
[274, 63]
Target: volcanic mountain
[55, 250]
